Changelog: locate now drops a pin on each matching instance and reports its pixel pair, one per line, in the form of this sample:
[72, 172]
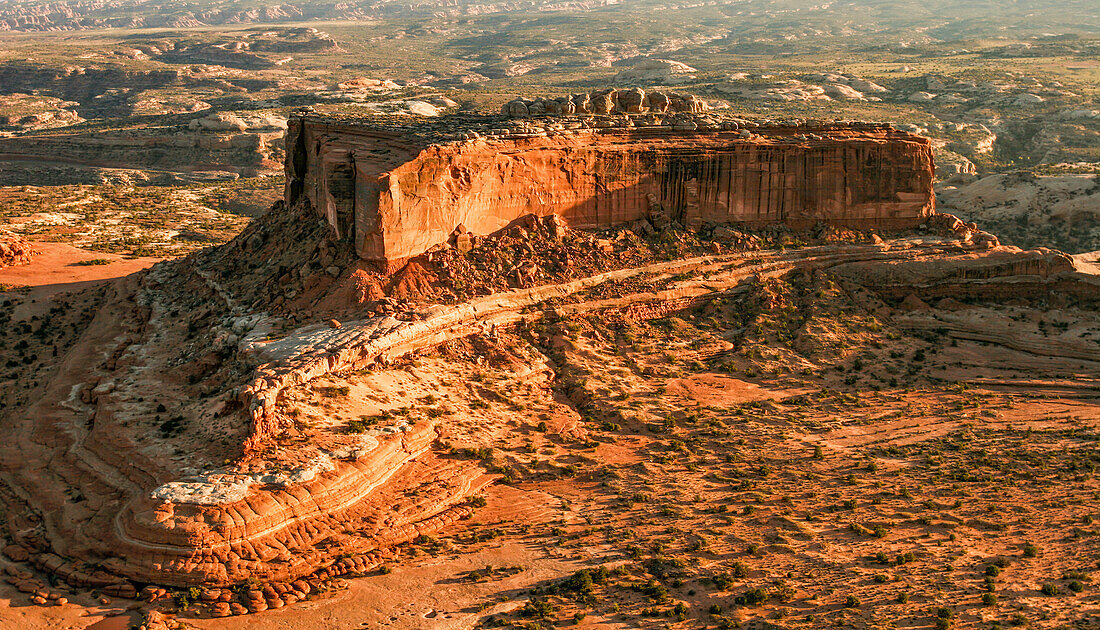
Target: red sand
[53, 269]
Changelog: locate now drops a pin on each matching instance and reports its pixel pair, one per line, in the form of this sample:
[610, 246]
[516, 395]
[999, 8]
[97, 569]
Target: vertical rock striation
[396, 192]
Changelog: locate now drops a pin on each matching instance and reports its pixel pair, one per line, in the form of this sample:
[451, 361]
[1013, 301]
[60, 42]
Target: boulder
[632, 101]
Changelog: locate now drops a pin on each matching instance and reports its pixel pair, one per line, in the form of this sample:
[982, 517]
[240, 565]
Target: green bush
[752, 597]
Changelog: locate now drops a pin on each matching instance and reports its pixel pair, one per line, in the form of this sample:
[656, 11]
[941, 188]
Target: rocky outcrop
[1027, 210]
[76, 454]
[92, 497]
[14, 250]
[82, 84]
[217, 142]
[656, 72]
[397, 192]
[604, 102]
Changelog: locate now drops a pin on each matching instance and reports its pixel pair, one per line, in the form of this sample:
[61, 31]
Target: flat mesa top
[466, 126]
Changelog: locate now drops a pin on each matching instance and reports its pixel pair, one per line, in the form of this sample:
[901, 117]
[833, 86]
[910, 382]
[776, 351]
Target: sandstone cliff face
[396, 198]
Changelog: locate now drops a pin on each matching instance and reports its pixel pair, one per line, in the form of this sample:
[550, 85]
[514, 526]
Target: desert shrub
[181, 599]
[1049, 589]
[582, 582]
[680, 611]
[1030, 551]
[722, 581]
[752, 597]
[539, 608]
[654, 589]
[989, 599]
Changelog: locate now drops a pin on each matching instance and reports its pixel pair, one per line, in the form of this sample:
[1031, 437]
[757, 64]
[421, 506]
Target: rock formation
[656, 71]
[397, 191]
[158, 430]
[14, 250]
[217, 142]
[245, 499]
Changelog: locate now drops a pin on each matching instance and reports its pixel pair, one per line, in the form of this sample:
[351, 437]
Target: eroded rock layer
[396, 192]
[136, 457]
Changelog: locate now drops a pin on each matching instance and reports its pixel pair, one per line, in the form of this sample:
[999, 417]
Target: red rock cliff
[398, 192]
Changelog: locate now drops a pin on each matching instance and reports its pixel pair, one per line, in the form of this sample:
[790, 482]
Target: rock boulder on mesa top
[606, 102]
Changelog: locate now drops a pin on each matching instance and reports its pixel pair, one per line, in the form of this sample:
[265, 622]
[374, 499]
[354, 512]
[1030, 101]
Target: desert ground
[655, 425]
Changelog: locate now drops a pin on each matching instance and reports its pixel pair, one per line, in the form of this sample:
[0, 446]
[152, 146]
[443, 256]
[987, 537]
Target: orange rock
[17, 553]
[125, 590]
[27, 586]
[399, 203]
[237, 609]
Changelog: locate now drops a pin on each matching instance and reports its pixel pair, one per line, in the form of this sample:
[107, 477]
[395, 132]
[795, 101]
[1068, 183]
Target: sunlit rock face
[397, 191]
